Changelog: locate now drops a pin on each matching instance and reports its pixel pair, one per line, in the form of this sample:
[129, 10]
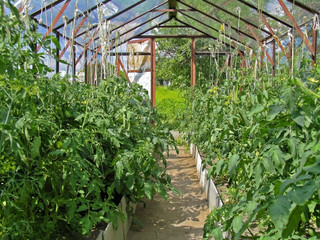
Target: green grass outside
[170, 104]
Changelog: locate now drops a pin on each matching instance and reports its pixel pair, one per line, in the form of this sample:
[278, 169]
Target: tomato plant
[68, 150]
[262, 137]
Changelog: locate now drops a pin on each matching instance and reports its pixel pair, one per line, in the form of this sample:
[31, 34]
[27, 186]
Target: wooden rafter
[296, 26]
[135, 27]
[261, 45]
[176, 36]
[216, 19]
[75, 32]
[80, 14]
[87, 46]
[56, 19]
[123, 68]
[265, 13]
[274, 36]
[214, 29]
[125, 23]
[141, 34]
[234, 15]
[199, 30]
[46, 8]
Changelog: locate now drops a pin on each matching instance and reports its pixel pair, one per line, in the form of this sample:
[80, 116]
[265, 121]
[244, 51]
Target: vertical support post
[290, 45]
[153, 72]
[261, 60]
[118, 66]
[193, 62]
[274, 57]
[73, 64]
[314, 45]
[85, 66]
[57, 53]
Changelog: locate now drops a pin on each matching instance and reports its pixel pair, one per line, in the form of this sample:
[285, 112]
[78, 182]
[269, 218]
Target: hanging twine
[316, 22]
[42, 5]
[25, 12]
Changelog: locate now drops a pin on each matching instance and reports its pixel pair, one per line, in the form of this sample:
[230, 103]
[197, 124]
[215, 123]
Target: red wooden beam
[87, 12]
[140, 34]
[274, 57]
[75, 32]
[137, 26]
[173, 10]
[57, 53]
[240, 53]
[193, 62]
[120, 64]
[46, 8]
[265, 13]
[314, 45]
[235, 16]
[261, 45]
[208, 26]
[86, 67]
[98, 50]
[296, 26]
[153, 72]
[139, 40]
[87, 46]
[274, 36]
[216, 19]
[56, 19]
[95, 54]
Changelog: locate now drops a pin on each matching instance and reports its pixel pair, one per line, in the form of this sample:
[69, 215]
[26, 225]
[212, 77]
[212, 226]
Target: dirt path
[183, 217]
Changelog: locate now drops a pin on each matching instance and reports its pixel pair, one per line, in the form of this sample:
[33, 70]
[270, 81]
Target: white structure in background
[139, 67]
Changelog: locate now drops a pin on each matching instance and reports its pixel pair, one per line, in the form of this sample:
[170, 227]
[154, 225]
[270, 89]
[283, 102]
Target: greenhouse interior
[163, 119]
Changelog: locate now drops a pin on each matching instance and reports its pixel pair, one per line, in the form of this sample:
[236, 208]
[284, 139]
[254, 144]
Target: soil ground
[180, 218]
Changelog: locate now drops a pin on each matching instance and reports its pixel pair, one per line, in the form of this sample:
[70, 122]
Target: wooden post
[314, 45]
[86, 67]
[73, 64]
[153, 72]
[261, 60]
[274, 57]
[57, 53]
[118, 66]
[193, 62]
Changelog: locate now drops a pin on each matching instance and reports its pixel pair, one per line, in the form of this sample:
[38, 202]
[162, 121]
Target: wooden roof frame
[172, 11]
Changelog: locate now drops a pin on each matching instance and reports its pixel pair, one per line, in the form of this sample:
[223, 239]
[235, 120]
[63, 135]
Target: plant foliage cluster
[68, 150]
[262, 138]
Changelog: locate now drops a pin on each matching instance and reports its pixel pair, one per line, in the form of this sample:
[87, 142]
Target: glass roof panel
[216, 26]
[222, 18]
[274, 8]
[132, 17]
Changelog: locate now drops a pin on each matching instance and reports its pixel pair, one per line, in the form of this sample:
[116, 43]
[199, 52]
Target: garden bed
[119, 233]
[207, 184]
